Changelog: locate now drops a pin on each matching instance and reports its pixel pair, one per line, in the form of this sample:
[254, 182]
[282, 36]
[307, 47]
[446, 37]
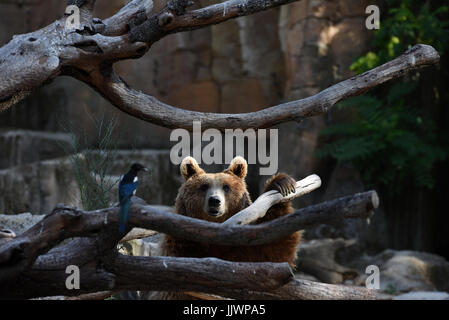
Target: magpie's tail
[124, 216]
[121, 228]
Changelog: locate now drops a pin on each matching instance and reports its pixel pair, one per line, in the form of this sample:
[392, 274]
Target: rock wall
[39, 186]
[26, 146]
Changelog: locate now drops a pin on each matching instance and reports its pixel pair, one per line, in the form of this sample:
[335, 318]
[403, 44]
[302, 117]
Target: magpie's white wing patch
[134, 181]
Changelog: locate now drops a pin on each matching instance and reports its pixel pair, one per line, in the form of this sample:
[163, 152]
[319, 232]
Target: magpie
[126, 189]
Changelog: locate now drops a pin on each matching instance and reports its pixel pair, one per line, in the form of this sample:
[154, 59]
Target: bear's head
[213, 196]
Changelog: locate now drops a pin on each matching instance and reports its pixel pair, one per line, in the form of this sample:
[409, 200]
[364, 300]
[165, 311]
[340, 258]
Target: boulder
[318, 258]
[405, 271]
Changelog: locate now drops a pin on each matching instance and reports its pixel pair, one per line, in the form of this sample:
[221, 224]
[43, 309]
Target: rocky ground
[403, 274]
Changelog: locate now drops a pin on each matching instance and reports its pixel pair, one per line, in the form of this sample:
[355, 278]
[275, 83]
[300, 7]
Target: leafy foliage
[408, 22]
[393, 139]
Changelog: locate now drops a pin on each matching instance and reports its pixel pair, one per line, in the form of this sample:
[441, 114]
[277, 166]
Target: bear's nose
[214, 202]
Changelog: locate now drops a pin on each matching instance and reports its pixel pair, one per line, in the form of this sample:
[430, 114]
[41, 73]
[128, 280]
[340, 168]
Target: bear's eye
[204, 187]
[226, 188]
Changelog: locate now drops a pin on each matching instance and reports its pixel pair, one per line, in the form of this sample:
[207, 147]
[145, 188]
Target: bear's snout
[214, 202]
[214, 206]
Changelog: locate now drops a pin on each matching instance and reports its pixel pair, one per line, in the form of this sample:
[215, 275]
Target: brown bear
[218, 196]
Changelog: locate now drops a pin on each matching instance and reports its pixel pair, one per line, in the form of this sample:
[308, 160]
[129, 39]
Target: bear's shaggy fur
[230, 184]
[191, 202]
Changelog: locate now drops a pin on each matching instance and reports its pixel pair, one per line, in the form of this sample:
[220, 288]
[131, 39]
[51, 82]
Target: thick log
[205, 274]
[299, 289]
[102, 272]
[19, 253]
[169, 274]
[310, 290]
[359, 205]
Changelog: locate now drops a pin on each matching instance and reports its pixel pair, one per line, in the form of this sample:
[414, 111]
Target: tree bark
[153, 274]
[31, 265]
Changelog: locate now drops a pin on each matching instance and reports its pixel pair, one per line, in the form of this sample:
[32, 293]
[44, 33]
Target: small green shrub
[92, 167]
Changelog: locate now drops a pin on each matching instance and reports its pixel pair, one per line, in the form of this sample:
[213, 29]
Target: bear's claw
[282, 183]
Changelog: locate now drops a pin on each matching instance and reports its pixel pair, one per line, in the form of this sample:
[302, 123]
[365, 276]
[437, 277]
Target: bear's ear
[239, 167]
[189, 168]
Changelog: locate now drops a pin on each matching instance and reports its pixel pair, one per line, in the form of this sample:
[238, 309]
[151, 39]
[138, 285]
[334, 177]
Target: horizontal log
[153, 274]
[359, 205]
[199, 274]
[299, 289]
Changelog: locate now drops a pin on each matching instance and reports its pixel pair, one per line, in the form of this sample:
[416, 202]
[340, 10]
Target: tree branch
[86, 8]
[148, 108]
[118, 24]
[174, 17]
[358, 205]
[26, 63]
